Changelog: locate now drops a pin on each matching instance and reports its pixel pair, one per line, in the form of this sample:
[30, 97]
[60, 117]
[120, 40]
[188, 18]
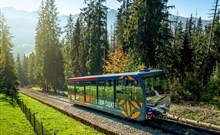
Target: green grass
[56, 122]
[12, 120]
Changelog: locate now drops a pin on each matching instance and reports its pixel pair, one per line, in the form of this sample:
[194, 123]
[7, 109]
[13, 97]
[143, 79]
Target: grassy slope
[55, 121]
[12, 120]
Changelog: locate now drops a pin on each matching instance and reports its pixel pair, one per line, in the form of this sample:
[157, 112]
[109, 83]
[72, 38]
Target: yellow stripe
[135, 115]
[135, 104]
[131, 78]
[121, 102]
[129, 109]
[124, 114]
[132, 108]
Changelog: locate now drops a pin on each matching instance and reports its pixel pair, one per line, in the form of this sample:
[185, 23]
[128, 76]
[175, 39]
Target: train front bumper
[160, 107]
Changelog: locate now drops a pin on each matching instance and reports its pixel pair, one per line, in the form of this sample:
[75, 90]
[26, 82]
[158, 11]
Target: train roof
[144, 72]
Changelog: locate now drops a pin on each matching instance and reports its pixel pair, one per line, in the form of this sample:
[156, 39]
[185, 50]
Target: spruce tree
[216, 38]
[75, 51]
[139, 22]
[49, 57]
[176, 65]
[8, 78]
[186, 53]
[31, 66]
[68, 48]
[95, 17]
[25, 71]
[19, 68]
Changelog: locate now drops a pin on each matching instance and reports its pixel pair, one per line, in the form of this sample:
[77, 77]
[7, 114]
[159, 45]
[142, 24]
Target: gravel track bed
[106, 123]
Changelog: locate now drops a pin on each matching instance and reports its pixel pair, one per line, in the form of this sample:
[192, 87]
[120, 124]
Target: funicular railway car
[135, 95]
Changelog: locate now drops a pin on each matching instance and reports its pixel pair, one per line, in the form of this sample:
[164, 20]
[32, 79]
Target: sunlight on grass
[12, 120]
[35, 88]
[54, 121]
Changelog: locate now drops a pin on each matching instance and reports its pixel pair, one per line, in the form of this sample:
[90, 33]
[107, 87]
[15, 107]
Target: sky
[64, 6]
[187, 7]
[183, 7]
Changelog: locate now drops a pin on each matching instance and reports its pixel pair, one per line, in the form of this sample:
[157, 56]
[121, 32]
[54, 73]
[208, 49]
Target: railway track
[110, 124]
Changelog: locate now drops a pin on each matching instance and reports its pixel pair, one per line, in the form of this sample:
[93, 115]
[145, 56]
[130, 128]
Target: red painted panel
[87, 78]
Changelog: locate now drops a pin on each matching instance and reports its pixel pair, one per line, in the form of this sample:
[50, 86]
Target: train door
[80, 91]
[71, 91]
[109, 93]
[120, 92]
[101, 92]
[106, 93]
[91, 92]
[129, 98]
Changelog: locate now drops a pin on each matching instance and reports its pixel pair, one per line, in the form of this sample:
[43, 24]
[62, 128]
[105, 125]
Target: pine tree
[186, 53]
[209, 62]
[216, 38]
[75, 51]
[19, 68]
[25, 71]
[176, 64]
[199, 44]
[68, 48]
[150, 18]
[122, 20]
[95, 16]
[83, 50]
[139, 22]
[31, 66]
[49, 57]
[8, 78]
[164, 50]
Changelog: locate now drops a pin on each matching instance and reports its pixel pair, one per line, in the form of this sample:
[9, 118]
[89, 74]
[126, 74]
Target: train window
[109, 97]
[91, 92]
[134, 90]
[120, 91]
[80, 91]
[128, 89]
[71, 93]
[156, 88]
[101, 92]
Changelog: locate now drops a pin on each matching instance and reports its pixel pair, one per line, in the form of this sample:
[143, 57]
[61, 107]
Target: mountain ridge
[23, 24]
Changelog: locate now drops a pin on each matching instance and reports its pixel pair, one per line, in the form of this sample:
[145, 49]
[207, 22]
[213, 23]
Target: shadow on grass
[12, 102]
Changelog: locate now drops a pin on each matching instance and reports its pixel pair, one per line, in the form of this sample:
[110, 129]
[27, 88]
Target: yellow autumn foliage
[120, 62]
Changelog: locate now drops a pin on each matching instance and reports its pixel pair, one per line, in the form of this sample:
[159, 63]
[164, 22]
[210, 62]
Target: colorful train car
[135, 95]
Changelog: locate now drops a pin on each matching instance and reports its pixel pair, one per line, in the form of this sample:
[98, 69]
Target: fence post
[29, 114]
[22, 106]
[25, 109]
[34, 122]
[42, 128]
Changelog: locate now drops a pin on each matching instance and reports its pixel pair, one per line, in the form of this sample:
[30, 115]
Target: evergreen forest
[143, 36]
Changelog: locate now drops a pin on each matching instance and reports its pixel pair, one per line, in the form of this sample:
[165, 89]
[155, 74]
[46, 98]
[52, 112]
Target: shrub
[190, 90]
[212, 92]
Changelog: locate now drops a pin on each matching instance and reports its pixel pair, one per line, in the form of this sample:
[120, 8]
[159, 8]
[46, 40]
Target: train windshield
[157, 92]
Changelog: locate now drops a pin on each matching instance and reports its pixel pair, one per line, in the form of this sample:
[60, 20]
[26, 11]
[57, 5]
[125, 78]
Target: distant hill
[23, 24]
[183, 20]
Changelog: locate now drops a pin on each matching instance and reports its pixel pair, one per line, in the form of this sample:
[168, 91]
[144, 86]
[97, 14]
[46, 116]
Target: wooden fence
[38, 126]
